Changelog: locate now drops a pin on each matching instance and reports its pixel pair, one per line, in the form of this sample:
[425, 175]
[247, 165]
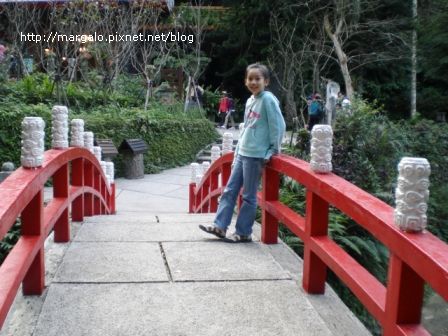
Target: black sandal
[214, 230]
[236, 238]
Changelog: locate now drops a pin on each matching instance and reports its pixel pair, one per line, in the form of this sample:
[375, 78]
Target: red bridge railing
[78, 182]
[415, 259]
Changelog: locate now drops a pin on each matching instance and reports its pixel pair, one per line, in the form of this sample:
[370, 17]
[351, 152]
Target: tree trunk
[316, 77]
[342, 57]
[290, 105]
[414, 62]
[148, 93]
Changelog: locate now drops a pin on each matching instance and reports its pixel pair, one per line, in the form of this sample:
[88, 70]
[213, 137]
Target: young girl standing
[261, 138]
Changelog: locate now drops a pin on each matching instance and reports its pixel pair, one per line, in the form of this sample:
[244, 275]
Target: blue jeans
[246, 173]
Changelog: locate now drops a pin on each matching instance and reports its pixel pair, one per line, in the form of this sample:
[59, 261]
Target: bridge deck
[150, 271]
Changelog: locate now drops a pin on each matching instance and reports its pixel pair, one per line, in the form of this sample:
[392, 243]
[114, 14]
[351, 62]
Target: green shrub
[173, 137]
[10, 239]
[38, 88]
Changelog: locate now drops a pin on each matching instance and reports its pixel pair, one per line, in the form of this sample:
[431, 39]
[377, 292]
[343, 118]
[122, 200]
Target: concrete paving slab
[127, 230]
[181, 171]
[172, 309]
[112, 262]
[151, 187]
[217, 260]
[123, 217]
[141, 202]
[186, 218]
[140, 232]
[181, 180]
[181, 193]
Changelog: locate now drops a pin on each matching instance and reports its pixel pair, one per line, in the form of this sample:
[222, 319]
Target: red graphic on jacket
[252, 117]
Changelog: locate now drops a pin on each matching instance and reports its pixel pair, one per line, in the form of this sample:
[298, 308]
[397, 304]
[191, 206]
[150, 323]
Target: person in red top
[224, 106]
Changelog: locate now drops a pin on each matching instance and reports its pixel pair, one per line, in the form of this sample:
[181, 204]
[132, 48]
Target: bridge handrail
[414, 258]
[79, 181]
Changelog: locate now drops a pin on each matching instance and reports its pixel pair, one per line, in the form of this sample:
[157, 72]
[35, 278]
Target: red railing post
[214, 184]
[112, 199]
[60, 189]
[32, 225]
[316, 224]
[104, 194]
[77, 177]
[198, 200]
[404, 297]
[97, 186]
[226, 170]
[192, 197]
[205, 192]
[270, 192]
[88, 181]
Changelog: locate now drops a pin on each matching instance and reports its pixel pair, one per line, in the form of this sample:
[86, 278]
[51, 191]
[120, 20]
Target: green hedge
[173, 137]
[171, 142]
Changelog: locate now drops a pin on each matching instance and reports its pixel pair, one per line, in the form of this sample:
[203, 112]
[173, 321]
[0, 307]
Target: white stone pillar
[411, 194]
[216, 153]
[97, 152]
[59, 127]
[110, 171]
[33, 144]
[77, 133]
[199, 178]
[88, 141]
[194, 171]
[227, 143]
[103, 167]
[205, 167]
[321, 148]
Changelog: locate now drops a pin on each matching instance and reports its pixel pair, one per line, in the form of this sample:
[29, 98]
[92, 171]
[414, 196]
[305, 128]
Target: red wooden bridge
[80, 185]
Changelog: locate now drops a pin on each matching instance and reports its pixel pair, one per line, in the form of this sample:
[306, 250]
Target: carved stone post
[59, 127]
[88, 141]
[110, 172]
[411, 194]
[205, 167]
[77, 133]
[97, 152]
[227, 143]
[321, 148]
[194, 171]
[215, 153]
[199, 177]
[103, 167]
[33, 145]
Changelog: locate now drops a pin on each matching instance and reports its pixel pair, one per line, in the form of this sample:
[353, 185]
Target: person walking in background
[260, 139]
[230, 113]
[223, 109]
[315, 111]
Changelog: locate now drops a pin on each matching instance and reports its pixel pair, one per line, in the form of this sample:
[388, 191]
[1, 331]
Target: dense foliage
[385, 76]
[173, 136]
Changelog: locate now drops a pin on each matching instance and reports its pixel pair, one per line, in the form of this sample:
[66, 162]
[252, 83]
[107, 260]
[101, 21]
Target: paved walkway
[149, 270]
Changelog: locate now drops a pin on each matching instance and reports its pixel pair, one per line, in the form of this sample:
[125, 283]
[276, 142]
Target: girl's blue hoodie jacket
[264, 127]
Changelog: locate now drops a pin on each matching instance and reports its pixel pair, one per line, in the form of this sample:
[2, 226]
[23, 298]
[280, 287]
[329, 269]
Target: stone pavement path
[149, 270]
